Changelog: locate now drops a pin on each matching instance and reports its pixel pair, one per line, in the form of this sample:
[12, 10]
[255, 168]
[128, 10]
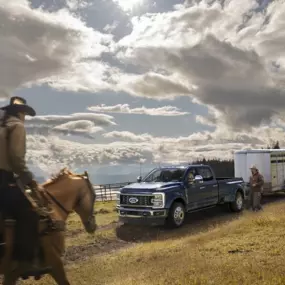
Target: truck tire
[176, 215]
[238, 204]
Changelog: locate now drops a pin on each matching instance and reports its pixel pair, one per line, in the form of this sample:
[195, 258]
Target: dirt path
[130, 235]
[80, 253]
[110, 226]
[127, 236]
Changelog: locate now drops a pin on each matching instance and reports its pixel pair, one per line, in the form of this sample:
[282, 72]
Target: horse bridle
[58, 203]
[90, 188]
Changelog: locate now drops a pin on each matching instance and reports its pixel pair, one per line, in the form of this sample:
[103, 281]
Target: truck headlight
[158, 200]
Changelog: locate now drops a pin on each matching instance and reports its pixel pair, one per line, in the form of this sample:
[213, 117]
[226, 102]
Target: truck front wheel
[176, 215]
[238, 204]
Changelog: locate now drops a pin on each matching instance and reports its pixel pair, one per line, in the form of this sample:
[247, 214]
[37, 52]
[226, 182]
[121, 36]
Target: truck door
[194, 196]
[209, 188]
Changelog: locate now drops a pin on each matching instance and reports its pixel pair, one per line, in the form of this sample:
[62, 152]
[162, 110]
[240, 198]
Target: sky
[119, 83]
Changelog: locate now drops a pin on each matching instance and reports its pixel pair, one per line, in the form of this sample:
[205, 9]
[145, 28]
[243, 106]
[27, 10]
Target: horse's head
[85, 204]
[73, 192]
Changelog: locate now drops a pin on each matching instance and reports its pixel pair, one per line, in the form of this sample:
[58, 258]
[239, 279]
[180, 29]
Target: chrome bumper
[141, 213]
[142, 216]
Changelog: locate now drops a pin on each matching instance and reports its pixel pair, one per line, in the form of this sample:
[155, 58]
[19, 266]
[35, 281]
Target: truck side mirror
[139, 179]
[198, 179]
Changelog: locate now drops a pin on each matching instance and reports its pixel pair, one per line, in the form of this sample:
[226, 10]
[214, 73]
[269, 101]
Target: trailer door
[277, 170]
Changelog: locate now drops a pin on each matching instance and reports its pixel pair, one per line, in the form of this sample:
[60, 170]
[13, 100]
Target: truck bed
[229, 179]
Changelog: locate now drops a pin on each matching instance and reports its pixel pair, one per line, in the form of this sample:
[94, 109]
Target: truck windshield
[165, 175]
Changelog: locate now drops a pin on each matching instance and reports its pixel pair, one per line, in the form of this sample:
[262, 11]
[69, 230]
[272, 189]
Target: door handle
[202, 187]
[215, 185]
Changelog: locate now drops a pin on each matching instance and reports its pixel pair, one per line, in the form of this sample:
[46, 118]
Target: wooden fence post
[107, 192]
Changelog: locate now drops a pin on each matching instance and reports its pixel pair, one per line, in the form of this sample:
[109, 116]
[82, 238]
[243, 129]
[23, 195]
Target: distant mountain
[103, 174]
[112, 178]
[110, 174]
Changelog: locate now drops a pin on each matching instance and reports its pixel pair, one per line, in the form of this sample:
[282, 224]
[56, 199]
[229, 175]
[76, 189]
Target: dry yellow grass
[249, 250]
[85, 238]
[105, 214]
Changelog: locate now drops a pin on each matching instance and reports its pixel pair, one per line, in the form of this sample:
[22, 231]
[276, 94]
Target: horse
[66, 192]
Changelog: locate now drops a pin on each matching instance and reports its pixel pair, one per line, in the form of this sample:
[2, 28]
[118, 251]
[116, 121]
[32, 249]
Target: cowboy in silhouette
[15, 176]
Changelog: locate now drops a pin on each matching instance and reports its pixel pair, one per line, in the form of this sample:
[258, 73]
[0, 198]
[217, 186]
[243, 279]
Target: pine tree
[276, 145]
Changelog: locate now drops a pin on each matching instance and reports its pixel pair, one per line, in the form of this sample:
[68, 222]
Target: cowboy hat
[253, 167]
[19, 105]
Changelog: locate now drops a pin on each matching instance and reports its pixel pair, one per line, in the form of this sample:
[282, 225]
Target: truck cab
[166, 194]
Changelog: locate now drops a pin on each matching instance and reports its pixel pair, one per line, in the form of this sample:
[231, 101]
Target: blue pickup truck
[166, 194]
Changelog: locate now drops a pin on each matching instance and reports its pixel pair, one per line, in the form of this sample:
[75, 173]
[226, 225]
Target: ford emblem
[133, 200]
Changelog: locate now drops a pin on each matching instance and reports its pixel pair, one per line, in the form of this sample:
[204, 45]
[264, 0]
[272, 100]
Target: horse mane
[61, 174]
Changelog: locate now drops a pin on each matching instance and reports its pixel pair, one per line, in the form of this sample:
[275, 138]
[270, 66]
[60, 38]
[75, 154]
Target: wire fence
[108, 192]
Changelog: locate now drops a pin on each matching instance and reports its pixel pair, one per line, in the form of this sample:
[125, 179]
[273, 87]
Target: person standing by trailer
[256, 182]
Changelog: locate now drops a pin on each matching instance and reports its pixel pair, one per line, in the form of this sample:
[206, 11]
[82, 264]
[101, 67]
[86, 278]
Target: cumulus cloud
[207, 121]
[111, 27]
[221, 143]
[98, 119]
[152, 85]
[75, 5]
[226, 54]
[125, 135]
[130, 6]
[52, 150]
[126, 109]
[84, 124]
[219, 136]
[39, 46]
[129, 148]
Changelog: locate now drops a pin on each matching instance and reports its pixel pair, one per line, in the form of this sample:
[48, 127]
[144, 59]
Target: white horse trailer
[270, 162]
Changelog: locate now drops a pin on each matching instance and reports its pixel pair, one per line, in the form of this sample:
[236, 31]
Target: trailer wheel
[176, 215]
[238, 204]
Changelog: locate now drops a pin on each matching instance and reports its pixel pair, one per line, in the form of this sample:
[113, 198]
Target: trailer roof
[259, 151]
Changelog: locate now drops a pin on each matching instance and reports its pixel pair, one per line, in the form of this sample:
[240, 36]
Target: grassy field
[106, 216]
[242, 249]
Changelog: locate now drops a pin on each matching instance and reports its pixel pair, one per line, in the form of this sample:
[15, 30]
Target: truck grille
[135, 200]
